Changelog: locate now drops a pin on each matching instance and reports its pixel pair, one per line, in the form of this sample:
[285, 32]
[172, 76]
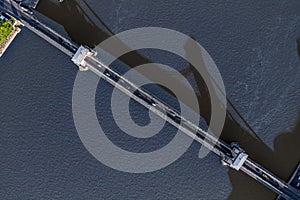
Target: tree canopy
[5, 30]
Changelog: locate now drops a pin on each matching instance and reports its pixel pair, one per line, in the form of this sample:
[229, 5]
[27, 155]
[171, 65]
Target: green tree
[5, 30]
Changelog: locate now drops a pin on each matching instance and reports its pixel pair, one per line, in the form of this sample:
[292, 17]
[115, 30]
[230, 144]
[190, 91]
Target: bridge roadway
[219, 147]
[25, 16]
[156, 106]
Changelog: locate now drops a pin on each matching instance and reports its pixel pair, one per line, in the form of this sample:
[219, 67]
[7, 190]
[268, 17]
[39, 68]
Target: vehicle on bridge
[145, 98]
[25, 7]
[173, 116]
[111, 75]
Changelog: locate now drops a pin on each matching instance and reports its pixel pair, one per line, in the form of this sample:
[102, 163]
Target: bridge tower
[80, 55]
[237, 159]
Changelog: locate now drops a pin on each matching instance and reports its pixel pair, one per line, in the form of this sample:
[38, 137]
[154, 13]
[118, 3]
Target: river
[254, 45]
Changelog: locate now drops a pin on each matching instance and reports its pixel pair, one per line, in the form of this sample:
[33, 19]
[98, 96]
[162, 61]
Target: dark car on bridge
[111, 75]
[145, 98]
[173, 116]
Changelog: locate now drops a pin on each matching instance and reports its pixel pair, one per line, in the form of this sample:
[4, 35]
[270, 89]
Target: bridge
[85, 58]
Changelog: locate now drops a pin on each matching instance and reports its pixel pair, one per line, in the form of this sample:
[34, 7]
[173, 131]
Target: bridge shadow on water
[282, 161]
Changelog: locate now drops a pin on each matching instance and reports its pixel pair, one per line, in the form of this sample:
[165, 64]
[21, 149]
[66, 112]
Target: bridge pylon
[80, 55]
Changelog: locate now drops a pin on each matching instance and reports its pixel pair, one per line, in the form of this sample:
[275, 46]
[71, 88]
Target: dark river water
[254, 45]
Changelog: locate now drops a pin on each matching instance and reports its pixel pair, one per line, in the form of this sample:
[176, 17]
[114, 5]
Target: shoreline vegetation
[5, 30]
[9, 28]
